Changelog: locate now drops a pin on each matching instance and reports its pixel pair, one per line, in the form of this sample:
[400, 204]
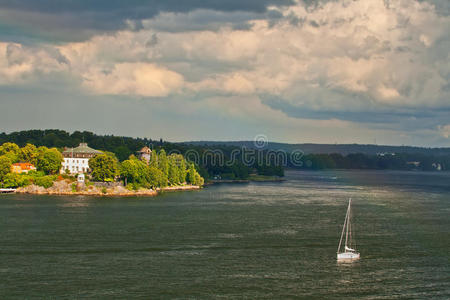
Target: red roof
[24, 166]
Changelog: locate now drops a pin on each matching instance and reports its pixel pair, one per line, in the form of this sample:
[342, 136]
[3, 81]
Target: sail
[347, 231]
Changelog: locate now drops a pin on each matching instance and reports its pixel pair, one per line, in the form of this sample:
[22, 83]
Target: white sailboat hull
[347, 256]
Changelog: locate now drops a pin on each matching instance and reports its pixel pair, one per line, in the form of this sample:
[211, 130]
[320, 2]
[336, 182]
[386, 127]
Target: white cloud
[19, 63]
[138, 79]
[444, 130]
[337, 57]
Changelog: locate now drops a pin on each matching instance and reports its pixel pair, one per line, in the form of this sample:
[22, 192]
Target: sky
[297, 71]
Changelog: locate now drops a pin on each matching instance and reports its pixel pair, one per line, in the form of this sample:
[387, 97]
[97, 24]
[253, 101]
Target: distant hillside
[343, 149]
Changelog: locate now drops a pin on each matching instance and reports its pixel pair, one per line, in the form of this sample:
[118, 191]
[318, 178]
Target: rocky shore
[65, 187]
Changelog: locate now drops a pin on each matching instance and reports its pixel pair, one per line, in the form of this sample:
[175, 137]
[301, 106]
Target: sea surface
[234, 241]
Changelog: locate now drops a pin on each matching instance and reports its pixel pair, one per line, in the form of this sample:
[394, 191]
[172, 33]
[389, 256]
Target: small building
[437, 166]
[22, 167]
[76, 160]
[80, 178]
[144, 154]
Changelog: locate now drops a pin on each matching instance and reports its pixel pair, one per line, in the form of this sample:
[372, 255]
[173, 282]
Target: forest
[209, 161]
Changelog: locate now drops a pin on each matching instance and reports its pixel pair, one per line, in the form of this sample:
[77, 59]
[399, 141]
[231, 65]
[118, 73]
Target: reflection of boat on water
[349, 253]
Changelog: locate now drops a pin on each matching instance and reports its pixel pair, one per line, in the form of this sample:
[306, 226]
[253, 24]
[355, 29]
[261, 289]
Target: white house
[76, 160]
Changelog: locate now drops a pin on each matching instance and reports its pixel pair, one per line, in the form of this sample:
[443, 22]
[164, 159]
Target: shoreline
[251, 179]
[62, 190]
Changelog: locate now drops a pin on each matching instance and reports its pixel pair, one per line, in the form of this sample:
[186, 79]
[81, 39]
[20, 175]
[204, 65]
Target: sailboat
[349, 253]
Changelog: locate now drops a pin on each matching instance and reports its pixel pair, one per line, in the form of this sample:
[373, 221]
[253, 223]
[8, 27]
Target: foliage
[154, 160]
[49, 160]
[156, 178]
[173, 173]
[11, 151]
[105, 167]
[194, 177]
[131, 170]
[163, 162]
[45, 181]
[12, 180]
[28, 154]
[396, 161]
[5, 166]
[137, 172]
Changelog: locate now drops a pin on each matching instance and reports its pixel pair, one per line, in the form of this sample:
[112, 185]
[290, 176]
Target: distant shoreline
[256, 178]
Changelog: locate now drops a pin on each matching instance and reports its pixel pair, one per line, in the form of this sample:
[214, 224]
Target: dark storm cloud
[67, 20]
[138, 8]
[108, 13]
[404, 118]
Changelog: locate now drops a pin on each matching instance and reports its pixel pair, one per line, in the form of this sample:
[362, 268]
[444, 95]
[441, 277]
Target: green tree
[129, 170]
[163, 162]
[191, 174]
[194, 177]
[104, 167]
[173, 174]
[199, 179]
[28, 153]
[9, 147]
[5, 166]
[49, 160]
[154, 160]
[122, 152]
[182, 170]
[156, 178]
[10, 150]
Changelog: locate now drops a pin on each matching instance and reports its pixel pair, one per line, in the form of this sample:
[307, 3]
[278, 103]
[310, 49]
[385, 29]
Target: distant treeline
[209, 164]
[396, 161]
[222, 160]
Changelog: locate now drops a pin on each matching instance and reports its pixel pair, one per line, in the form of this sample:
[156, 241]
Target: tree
[194, 177]
[5, 166]
[129, 170]
[28, 153]
[104, 167]
[173, 174]
[163, 163]
[10, 150]
[156, 178]
[122, 152]
[182, 170]
[191, 174]
[49, 160]
[154, 160]
[9, 147]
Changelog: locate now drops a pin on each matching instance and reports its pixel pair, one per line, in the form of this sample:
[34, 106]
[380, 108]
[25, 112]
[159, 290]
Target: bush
[12, 180]
[133, 186]
[45, 181]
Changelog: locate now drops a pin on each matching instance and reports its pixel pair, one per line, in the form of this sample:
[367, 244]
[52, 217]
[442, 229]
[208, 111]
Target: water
[245, 241]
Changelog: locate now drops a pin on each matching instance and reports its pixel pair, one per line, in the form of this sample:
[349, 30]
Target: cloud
[329, 61]
[77, 20]
[379, 65]
[139, 79]
[19, 63]
[445, 130]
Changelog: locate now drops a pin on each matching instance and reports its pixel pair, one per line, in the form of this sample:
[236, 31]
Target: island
[86, 171]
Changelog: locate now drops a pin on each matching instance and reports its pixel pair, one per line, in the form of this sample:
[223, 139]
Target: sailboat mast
[343, 229]
[348, 221]
[350, 240]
